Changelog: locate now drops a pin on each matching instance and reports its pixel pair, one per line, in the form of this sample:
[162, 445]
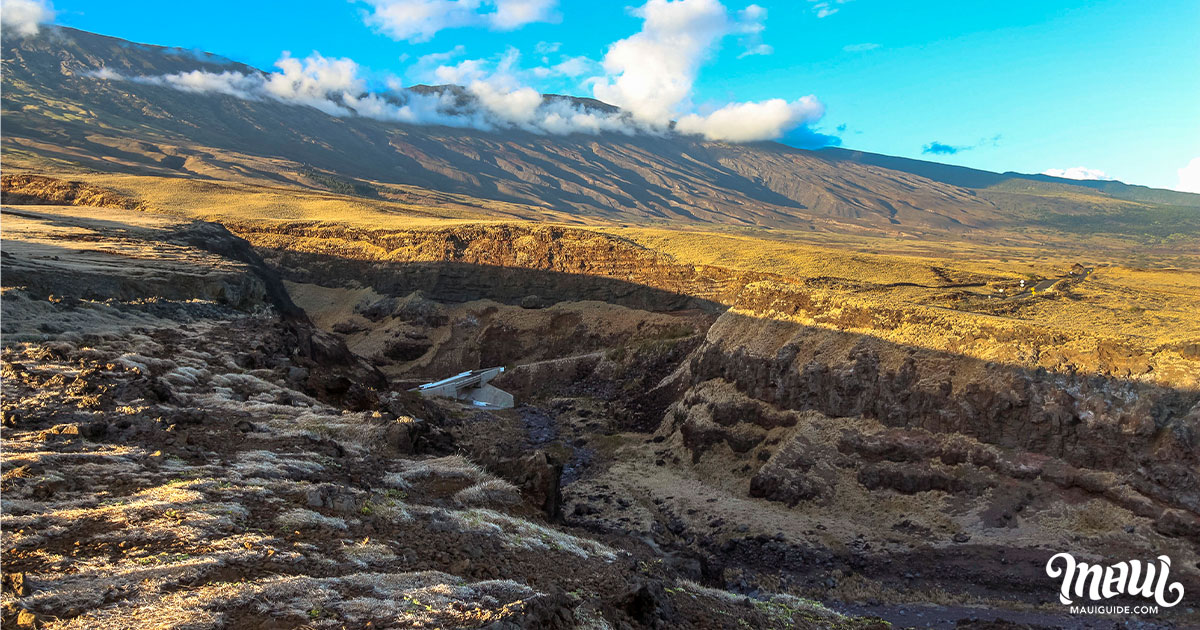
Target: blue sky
[1111, 86]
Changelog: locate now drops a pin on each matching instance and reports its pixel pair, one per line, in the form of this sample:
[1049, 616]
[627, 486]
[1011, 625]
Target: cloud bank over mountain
[649, 75]
[747, 122]
[336, 87]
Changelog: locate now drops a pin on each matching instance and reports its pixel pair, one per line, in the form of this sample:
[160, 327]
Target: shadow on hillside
[1089, 419]
[463, 282]
[1140, 433]
[1057, 438]
[1105, 421]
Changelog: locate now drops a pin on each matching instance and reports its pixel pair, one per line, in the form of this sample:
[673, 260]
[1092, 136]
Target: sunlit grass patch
[301, 518]
[449, 467]
[525, 534]
[490, 492]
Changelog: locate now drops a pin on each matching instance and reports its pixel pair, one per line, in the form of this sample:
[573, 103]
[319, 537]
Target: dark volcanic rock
[539, 476]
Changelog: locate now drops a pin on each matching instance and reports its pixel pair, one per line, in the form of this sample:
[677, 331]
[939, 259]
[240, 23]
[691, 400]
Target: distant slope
[1065, 205]
[975, 178]
[58, 115]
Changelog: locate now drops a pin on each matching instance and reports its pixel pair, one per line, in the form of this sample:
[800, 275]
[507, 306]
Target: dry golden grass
[796, 259]
[935, 291]
[1149, 311]
[234, 201]
[1092, 518]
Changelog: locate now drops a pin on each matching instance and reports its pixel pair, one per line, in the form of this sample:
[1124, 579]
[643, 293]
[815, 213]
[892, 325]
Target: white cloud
[759, 49]
[649, 75]
[1077, 172]
[24, 17]
[860, 47]
[562, 117]
[313, 80]
[319, 82]
[571, 67]
[751, 25]
[504, 70]
[546, 48]
[826, 8]
[746, 122]
[498, 70]
[512, 14]
[231, 83]
[334, 86]
[517, 106]
[461, 73]
[441, 57]
[107, 74]
[1189, 177]
[420, 20]
[753, 14]
[574, 66]
[651, 72]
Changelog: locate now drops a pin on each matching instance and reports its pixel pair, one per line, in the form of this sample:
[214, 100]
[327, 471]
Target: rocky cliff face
[1090, 402]
[739, 424]
[177, 453]
[971, 444]
[921, 469]
[733, 427]
[1144, 432]
[542, 265]
[503, 262]
[137, 265]
[1134, 443]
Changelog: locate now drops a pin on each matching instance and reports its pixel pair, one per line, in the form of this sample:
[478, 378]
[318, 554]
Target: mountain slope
[53, 108]
[975, 178]
[58, 114]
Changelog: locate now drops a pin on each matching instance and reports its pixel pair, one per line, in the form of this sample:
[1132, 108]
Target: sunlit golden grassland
[226, 201]
[1117, 298]
[953, 282]
[946, 296]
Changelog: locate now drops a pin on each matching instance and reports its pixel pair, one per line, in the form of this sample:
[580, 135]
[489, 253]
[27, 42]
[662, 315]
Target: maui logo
[1123, 578]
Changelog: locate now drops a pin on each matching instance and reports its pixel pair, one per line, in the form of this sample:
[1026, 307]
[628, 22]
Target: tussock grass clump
[301, 518]
[355, 431]
[490, 492]
[419, 599]
[1095, 517]
[396, 480]
[366, 553]
[523, 534]
[269, 465]
[449, 467]
[389, 507]
[781, 606]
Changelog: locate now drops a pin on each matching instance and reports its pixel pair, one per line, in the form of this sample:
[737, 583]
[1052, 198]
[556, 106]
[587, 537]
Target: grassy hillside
[1015, 182]
[60, 117]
